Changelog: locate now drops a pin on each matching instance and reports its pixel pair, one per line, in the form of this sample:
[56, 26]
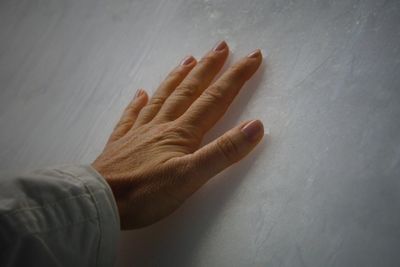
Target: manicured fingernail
[256, 53]
[187, 60]
[220, 46]
[139, 92]
[253, 130]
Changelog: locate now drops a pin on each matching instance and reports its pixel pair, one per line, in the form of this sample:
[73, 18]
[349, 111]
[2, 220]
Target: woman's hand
[152, 160]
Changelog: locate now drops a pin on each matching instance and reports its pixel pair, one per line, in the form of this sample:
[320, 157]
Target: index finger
[211, 105]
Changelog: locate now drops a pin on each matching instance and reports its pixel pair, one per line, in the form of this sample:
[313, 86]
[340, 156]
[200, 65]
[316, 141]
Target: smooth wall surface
[323, 189]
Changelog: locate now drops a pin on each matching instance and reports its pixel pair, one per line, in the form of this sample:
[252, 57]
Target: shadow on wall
[174, 241]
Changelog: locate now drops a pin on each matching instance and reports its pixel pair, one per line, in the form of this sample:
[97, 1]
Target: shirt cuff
[106, 207]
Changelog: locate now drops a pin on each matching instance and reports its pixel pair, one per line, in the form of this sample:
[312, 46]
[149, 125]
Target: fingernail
[256, 53]
[139, 92]
[187, 60]
[220, 46]
[253, 129]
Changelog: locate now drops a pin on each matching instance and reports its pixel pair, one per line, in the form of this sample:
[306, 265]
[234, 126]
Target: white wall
[324, 187]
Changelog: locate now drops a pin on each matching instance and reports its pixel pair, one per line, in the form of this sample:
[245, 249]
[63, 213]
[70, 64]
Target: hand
[152, 160]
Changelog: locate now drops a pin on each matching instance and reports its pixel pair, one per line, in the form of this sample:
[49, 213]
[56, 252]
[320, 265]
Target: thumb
[226, 150]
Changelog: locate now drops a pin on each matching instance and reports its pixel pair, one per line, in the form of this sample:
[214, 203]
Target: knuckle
[187, 90]
[186, 132]
[228, 148]
[133, 109]
[215, 94]
[185, 138]
[123, 125]
[157, 101]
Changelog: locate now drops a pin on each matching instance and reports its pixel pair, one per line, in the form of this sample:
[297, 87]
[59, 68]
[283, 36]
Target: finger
[174, 78]
[221, 153]
[194, 84]
[129, 115]
[215, 100]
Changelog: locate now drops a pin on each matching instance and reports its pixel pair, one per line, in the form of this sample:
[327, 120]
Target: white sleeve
[59, 216]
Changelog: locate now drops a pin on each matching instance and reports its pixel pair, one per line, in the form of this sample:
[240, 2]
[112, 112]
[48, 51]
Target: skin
[153, 160]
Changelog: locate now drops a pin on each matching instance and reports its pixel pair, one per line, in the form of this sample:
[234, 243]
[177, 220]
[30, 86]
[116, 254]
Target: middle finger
[194, 84]
[216, 99]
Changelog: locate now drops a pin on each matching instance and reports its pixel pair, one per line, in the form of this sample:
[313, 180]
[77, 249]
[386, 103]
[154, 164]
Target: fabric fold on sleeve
[63, 215]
